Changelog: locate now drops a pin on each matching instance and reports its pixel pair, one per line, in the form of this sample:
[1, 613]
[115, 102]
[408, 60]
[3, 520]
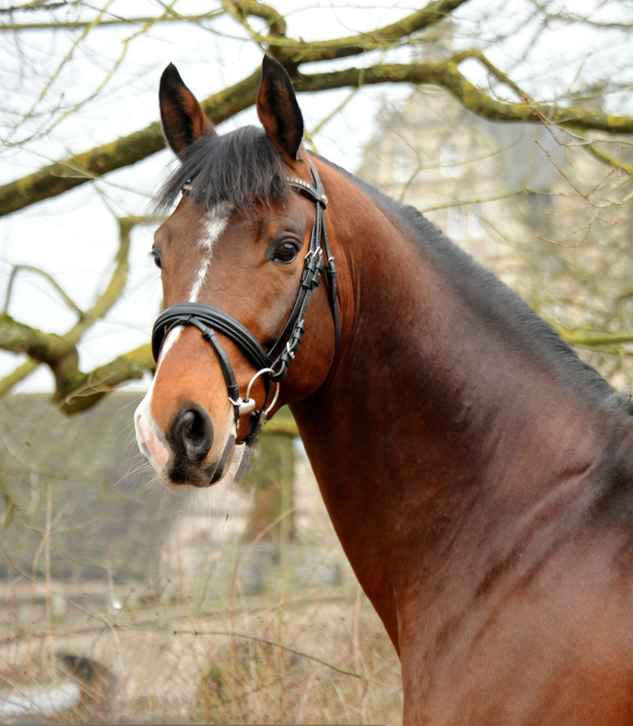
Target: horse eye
[157, 259]
[286, 253]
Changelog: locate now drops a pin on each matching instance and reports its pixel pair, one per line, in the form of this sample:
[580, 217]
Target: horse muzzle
[186, 456]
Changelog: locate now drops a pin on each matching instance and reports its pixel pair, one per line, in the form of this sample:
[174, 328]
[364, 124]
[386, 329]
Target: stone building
[532, 203]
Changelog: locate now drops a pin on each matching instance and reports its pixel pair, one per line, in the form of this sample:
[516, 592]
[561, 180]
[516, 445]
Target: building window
[401, 168]
[455, 223]
[475, 226]
[449, 160]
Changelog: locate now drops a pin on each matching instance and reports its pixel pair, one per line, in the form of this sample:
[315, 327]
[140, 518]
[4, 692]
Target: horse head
[240, 258]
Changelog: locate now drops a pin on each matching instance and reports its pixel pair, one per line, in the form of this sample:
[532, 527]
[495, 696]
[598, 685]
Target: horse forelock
[242, 169]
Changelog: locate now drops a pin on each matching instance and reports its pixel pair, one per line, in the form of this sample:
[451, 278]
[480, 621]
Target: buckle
[244, 405]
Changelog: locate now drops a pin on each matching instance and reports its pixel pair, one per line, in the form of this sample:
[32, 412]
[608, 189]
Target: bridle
[272, 366]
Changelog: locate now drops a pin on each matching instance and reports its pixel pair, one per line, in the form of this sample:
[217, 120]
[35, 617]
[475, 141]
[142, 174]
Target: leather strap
[182, 314]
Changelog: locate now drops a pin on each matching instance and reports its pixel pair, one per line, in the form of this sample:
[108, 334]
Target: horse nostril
[192, 433]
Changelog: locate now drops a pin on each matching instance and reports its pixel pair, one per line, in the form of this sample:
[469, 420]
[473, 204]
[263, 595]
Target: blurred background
[507, 123]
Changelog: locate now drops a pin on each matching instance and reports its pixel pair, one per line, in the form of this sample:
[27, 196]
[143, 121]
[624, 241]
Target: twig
[29, 268]
[233, 634]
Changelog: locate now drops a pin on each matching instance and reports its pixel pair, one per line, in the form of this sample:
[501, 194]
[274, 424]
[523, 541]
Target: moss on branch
[241, 9]
[62, 176]
[89, 388]
[44, 347]
[448, 75]
[381, 38]
[74, 389]
[67, 174]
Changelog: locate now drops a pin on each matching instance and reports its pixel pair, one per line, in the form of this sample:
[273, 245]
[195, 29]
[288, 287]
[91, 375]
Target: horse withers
[477, 472]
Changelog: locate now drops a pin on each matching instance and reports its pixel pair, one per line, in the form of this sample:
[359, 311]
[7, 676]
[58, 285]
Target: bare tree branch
[35, 5]
[20, 338]
[593, 339]
[447, 74]
[243, 8]
[66, 174]
[29, 268]
[610, 160]
[87, 389]
[118, 279]
[77, 390]
[295, 52]
[81, 24]
[19, 374]
[564, 16]
[62, 176]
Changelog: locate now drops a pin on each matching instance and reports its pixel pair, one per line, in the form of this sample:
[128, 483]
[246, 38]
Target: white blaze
[148, 435]
[215, 224]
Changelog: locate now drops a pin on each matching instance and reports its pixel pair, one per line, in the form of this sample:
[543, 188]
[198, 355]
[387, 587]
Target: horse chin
[197, 478]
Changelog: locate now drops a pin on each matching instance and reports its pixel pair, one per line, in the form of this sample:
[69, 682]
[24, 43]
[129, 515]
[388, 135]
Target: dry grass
[216, 630]
[197, 648]
[318, 658]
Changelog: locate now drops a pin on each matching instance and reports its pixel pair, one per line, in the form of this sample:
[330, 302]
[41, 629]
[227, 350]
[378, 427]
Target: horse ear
[278, 109]
[182, 117]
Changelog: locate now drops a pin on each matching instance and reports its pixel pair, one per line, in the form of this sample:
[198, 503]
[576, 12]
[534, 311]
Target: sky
[73, 237]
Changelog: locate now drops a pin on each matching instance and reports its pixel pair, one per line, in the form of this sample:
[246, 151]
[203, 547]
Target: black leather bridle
[272, 366]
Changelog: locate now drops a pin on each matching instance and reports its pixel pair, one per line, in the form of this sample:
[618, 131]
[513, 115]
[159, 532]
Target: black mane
[242, 168]
[503, 311]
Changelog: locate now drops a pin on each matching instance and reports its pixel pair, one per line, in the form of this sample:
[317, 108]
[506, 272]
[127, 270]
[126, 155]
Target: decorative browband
[305, 186]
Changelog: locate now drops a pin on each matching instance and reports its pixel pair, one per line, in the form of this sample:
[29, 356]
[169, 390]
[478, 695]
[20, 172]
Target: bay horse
[478, 474]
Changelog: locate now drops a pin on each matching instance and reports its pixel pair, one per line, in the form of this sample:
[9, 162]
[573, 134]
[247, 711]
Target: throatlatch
[272, 366]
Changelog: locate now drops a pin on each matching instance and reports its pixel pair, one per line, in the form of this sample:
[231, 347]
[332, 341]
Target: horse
[477, 472]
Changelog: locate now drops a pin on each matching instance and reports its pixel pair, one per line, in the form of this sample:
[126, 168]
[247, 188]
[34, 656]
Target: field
[291, 655]
[300, 660]
[222, 628]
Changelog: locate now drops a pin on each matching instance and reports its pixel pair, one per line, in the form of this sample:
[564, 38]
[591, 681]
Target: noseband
[272, 366]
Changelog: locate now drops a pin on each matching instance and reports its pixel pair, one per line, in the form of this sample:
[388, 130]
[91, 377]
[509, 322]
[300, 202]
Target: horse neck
[426, 414]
